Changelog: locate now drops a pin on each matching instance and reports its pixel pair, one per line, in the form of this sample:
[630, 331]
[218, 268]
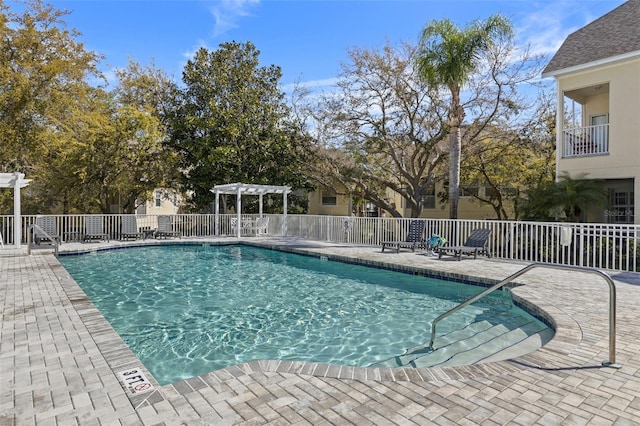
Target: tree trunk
[455, 142]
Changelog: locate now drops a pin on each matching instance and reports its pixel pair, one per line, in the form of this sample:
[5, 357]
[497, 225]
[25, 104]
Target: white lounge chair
[129, 229]
[165, 228]
[94, 229]
[46, 229]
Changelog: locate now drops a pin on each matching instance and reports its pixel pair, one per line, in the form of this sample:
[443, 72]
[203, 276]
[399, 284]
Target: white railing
[602, 246]
[585, 141]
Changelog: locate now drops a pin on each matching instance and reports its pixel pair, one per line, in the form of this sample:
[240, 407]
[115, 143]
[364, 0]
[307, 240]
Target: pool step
[479, 342]
[530, 344]
[486, 345]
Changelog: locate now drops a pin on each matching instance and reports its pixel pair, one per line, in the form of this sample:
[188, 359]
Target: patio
[60, 360]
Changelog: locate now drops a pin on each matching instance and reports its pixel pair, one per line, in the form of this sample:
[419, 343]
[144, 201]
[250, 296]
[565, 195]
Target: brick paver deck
[59, 360]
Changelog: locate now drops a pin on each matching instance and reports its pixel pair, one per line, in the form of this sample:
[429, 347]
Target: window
[599, 132]
[329, 197]
[599, 119]
[622, 210]
[370, 210]
[430, 198]
[157, 195]
[492, 193]
[468, 190]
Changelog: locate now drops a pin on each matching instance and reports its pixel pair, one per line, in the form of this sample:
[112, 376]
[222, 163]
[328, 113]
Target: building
[330, 201]
[164, 201]
[597, 73]
[338, 202]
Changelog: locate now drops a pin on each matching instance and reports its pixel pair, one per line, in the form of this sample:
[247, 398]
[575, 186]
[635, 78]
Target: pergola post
[17, 220]
[239, 209]
[284, 218]
[216, 231]
[16, 181]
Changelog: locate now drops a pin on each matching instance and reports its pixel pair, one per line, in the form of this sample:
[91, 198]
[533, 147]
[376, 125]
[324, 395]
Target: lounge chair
[46, 229]
[94, 229]
[415, 238]
[129, 229]
[165, 228]
[475, 244]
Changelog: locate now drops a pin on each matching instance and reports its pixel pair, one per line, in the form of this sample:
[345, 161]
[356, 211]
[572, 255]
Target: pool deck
[60, 360]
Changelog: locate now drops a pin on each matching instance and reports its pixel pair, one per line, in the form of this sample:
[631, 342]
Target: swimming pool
[187, 310]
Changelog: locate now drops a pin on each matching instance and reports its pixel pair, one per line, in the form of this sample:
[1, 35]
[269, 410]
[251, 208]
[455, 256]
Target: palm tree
[447, 58]
[571, 196]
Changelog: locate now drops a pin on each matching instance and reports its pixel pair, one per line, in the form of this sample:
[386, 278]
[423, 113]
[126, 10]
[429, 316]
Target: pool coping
[119, 357]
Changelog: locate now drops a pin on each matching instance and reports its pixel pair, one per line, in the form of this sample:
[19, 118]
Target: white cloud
[545, 29]
[227, 13]
[189, 54]
[313, 88]
[313, 84]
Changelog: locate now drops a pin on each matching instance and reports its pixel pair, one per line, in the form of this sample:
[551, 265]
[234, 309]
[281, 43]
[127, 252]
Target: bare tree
[511, 156]
[385, 129]
[381, 130]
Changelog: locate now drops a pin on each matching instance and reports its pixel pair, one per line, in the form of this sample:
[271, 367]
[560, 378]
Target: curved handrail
[611, 362]
[54, 240]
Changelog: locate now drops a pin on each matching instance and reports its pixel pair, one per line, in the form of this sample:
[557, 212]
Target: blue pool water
[187, 310]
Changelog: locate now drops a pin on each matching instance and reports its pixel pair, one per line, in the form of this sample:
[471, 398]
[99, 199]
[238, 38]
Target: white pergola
[16, 181]
[241, 189]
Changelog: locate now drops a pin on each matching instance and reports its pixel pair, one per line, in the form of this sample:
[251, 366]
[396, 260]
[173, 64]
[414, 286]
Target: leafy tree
[147, 88]
[113, 156]
[509, 158]
[145, 97]
[86, 149]
[42, 76]
[230, 124]
[571, 196]
[447, 58]
[383, 129]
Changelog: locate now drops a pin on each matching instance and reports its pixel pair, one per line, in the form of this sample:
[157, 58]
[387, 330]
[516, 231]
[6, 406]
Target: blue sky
[308, 39]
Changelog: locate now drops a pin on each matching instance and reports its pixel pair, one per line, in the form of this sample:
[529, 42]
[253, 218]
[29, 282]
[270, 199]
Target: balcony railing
[585, 141]
[602, 246]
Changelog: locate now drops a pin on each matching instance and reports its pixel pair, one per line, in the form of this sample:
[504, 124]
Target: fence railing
[602, 246]
[584, 141]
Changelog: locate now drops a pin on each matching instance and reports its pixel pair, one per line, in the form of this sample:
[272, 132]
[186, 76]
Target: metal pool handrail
[611, 362]
[54, 240]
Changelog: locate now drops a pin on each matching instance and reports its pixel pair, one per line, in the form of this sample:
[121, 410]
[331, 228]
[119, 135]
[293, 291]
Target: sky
[307, 39]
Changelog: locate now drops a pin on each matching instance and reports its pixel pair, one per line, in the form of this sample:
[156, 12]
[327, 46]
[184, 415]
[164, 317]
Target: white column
[239, 209]
[216, 231]
[561, 149]
[260, 205]
[284, 217]
[17, 219]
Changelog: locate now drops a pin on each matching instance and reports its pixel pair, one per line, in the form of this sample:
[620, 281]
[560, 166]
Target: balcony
[585, 141]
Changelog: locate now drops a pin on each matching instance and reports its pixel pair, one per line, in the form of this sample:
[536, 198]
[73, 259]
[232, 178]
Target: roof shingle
[613, 34]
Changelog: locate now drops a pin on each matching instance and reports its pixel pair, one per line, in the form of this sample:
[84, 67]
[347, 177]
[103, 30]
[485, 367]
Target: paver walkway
[59, 361]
